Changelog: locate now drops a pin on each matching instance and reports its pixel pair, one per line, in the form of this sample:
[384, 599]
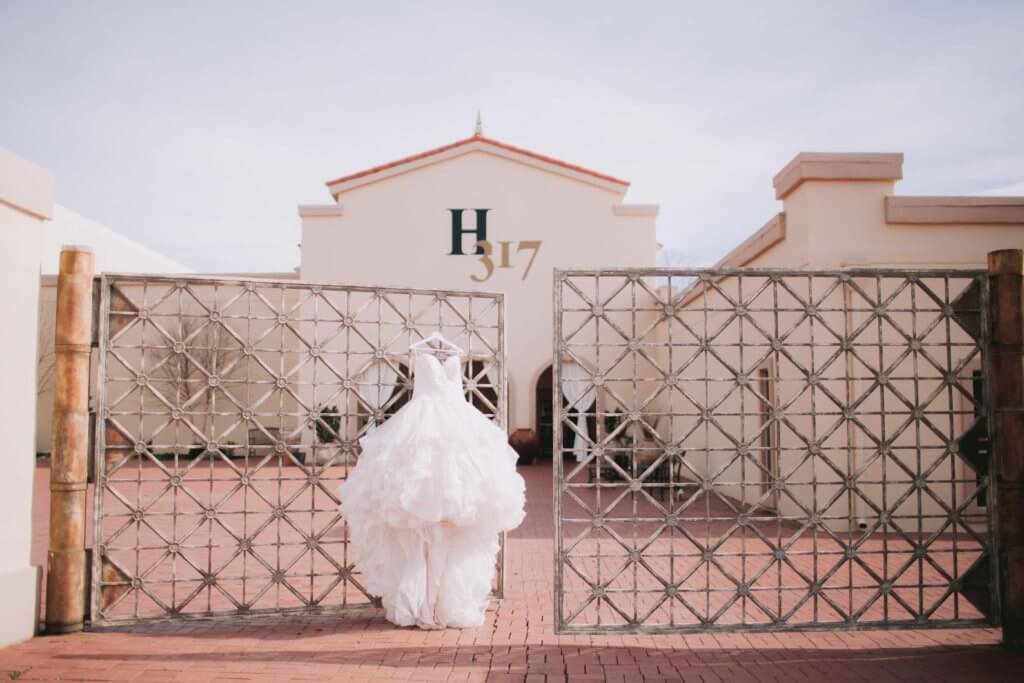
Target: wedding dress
[433, 488]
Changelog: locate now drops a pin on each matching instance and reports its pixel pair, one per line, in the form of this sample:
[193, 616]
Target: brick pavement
[515, 644]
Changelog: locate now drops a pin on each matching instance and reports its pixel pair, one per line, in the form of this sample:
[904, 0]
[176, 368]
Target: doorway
[545, 418]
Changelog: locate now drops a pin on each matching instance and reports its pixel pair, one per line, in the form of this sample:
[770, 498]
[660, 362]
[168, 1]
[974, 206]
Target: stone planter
[526, 443]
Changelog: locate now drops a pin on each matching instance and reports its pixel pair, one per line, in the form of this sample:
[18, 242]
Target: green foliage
[330, 419]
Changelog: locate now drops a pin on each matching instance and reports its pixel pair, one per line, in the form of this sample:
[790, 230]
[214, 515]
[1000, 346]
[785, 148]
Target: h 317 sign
[491, 254]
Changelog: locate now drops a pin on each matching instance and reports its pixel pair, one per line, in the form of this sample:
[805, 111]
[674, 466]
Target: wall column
[1006, 360]
[65, 578]
[26, 201]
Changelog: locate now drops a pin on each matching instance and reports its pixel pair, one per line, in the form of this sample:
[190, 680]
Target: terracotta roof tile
[466, 141]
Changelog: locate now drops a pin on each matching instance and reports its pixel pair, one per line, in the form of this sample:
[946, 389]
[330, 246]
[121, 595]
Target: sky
[198, 127]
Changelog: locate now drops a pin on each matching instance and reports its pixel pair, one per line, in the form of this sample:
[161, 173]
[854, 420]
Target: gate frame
[981, 285]
[101, 311]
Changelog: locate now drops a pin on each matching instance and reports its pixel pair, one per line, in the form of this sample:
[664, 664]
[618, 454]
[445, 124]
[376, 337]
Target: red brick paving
[516, 643]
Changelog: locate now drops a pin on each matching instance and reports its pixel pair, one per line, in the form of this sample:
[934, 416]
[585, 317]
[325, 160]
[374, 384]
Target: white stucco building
[393, 225]
[418, 222]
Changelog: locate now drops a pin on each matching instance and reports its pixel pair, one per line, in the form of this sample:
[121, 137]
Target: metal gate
[765, 449]
[229, 411]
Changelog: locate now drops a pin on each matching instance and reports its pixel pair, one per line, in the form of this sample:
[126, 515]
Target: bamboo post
[1006, 356]
[66, 571]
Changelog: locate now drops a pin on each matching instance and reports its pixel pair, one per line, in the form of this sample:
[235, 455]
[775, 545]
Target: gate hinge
[976, 587]
[974, 445]
[967, 309]
[88, 585]
[90, 460]
[95, 336]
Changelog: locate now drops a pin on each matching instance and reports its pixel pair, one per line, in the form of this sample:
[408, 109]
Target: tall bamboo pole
[1006, 315]
[66, 571]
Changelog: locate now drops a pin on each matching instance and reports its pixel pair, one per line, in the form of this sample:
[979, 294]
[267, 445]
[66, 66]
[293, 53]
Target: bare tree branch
[214, 352]
[46, 357]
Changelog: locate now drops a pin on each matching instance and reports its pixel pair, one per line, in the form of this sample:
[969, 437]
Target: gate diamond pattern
[761, 449]
[230, 410]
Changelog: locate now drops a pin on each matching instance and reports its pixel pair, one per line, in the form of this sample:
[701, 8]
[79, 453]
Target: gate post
[66, 571]
[1006, 358]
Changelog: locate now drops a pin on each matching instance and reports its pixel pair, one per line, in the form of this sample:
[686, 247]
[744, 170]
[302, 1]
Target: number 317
[504, 261]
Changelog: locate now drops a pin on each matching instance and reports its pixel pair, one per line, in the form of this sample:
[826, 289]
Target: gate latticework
[751, 449]
[229, 411]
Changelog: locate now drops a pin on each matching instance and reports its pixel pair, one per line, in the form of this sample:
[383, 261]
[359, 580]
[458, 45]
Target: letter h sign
[458, 231]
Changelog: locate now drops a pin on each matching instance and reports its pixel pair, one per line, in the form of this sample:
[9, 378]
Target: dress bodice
[432, 377]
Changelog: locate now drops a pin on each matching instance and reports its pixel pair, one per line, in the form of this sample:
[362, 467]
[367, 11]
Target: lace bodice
[432, 377]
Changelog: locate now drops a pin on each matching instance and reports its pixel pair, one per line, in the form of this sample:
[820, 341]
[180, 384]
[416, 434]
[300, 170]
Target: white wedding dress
[430, 493]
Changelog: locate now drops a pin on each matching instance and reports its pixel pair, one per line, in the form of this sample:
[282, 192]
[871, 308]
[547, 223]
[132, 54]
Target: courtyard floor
[517, 643]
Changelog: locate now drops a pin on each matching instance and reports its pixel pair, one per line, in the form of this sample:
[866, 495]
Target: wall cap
[321, 211]
[837, 166]
[954, 210]
[249, 275]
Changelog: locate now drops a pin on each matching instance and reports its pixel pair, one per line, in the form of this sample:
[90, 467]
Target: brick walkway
[516, 643]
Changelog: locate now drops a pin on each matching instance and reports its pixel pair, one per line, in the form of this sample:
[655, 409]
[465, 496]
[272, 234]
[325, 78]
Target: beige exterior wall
[394, 229]
[26, 200]
[840, 212]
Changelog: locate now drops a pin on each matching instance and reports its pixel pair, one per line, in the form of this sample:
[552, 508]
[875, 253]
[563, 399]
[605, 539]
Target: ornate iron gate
[752, 449]
[230, 410]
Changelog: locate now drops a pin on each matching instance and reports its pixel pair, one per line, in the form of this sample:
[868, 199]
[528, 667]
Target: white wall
[114, 253]
[26, 200]
[397, 232]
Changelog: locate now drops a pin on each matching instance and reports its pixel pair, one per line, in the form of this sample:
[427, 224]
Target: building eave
[482, 144]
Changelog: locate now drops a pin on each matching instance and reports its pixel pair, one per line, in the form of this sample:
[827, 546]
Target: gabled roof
[480, 142]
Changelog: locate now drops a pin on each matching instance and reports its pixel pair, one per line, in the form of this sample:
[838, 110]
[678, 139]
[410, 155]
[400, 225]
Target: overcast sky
[198, 127]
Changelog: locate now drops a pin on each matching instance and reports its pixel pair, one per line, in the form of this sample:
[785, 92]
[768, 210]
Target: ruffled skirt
[434, 487]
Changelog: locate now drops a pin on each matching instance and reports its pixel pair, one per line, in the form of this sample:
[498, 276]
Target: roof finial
[479, 130]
